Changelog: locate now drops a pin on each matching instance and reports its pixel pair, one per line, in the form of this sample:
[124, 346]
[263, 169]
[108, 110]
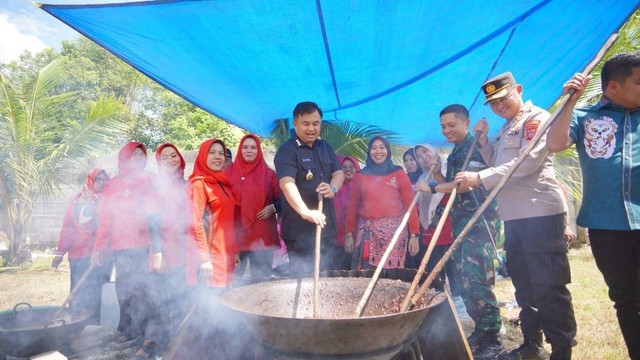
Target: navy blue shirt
[295, 159]
[607, 139]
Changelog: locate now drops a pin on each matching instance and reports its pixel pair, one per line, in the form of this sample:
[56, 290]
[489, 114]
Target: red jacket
[341, 201]
[171, 206]
[254, 186]
[123, 222]
[78, 233]
[445, 237]
[211, 223]
[78, 238]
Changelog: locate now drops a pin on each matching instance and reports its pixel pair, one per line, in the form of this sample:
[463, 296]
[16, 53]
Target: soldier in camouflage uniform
[473, 259]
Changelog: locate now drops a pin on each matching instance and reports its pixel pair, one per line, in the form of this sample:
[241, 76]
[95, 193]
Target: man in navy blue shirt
[307, 168]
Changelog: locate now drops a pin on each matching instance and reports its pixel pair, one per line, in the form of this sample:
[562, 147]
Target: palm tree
[628, 41]
[569, 169]
[39, 144]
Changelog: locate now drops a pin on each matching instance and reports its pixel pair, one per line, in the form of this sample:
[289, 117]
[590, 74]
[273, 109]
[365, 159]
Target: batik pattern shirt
[607, 139]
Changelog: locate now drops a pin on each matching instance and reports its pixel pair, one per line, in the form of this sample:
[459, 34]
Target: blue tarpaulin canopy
[391, 64]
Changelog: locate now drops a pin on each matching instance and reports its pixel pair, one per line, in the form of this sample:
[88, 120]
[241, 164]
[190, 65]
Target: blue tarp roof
[391, 64]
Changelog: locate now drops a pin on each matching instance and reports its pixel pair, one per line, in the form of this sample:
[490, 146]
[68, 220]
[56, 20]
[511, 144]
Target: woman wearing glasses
[350, 166]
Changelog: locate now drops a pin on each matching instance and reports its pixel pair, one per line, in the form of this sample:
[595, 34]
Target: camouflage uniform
[473, 259]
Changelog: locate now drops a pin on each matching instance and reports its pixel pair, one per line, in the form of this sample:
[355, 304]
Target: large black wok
[27, 330]
[279, 315]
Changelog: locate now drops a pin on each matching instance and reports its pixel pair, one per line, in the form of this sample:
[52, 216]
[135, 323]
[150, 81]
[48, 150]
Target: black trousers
[260, 261]
[617, 255]
[539, 268]
[138, 314]
[302, 256]
[89, 296]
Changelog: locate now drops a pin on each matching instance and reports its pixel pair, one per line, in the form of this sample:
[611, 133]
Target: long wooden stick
[386, 254]
[459, 327]
[536, 139]
[436, 234]
[73, 293]
[178, 337]
[316, 265]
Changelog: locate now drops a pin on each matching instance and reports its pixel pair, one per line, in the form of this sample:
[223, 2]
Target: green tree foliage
[628, 41]
[39, 143]
[155, 114]
[168, 118]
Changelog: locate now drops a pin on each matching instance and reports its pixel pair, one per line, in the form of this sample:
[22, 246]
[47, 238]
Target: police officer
[533, 209]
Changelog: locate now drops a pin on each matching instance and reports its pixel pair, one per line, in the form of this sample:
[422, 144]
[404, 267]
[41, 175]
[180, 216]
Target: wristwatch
[432, 186]
[334, 189]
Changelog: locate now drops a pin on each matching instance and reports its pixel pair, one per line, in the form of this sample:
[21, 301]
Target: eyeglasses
[348, 167]
[501, 100]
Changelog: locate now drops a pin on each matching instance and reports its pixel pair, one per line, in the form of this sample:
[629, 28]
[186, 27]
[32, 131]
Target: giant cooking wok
[279, 314]
[29, 330]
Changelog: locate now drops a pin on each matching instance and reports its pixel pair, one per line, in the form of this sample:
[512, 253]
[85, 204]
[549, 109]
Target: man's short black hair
[458, 110]
[618, 68]
[306, 107]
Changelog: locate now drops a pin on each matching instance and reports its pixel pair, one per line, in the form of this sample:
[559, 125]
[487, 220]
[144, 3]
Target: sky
[24, 26]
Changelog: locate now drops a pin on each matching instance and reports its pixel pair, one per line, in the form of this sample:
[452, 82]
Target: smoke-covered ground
[598, 334]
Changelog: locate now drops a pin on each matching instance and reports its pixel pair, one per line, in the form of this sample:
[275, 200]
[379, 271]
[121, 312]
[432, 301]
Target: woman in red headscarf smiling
[341, 258]
[171, 205]
[212, 223]
[256, 189]
[123, 229]
[168, 230]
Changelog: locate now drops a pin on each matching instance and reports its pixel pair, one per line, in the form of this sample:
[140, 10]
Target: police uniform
[309, 166]
[533, 208]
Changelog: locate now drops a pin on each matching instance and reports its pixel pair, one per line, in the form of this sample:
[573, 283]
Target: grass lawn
[598, 336]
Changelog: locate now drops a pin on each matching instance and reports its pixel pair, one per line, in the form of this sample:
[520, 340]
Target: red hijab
[342, 197]
[202, 171]
[180, 171]
[91, 179]
[249, 182]
[124, 157]
[341, 200]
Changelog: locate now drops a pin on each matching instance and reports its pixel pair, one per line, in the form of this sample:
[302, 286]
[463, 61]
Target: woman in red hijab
[256, 189]
[211, 258]
[123, 230]
[350, 166]
[168, 231]
[77, 237]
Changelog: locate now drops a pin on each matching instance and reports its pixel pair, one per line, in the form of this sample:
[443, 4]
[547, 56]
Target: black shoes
[475, 338]
[531, 349]
[560, 353]
[486, 345]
